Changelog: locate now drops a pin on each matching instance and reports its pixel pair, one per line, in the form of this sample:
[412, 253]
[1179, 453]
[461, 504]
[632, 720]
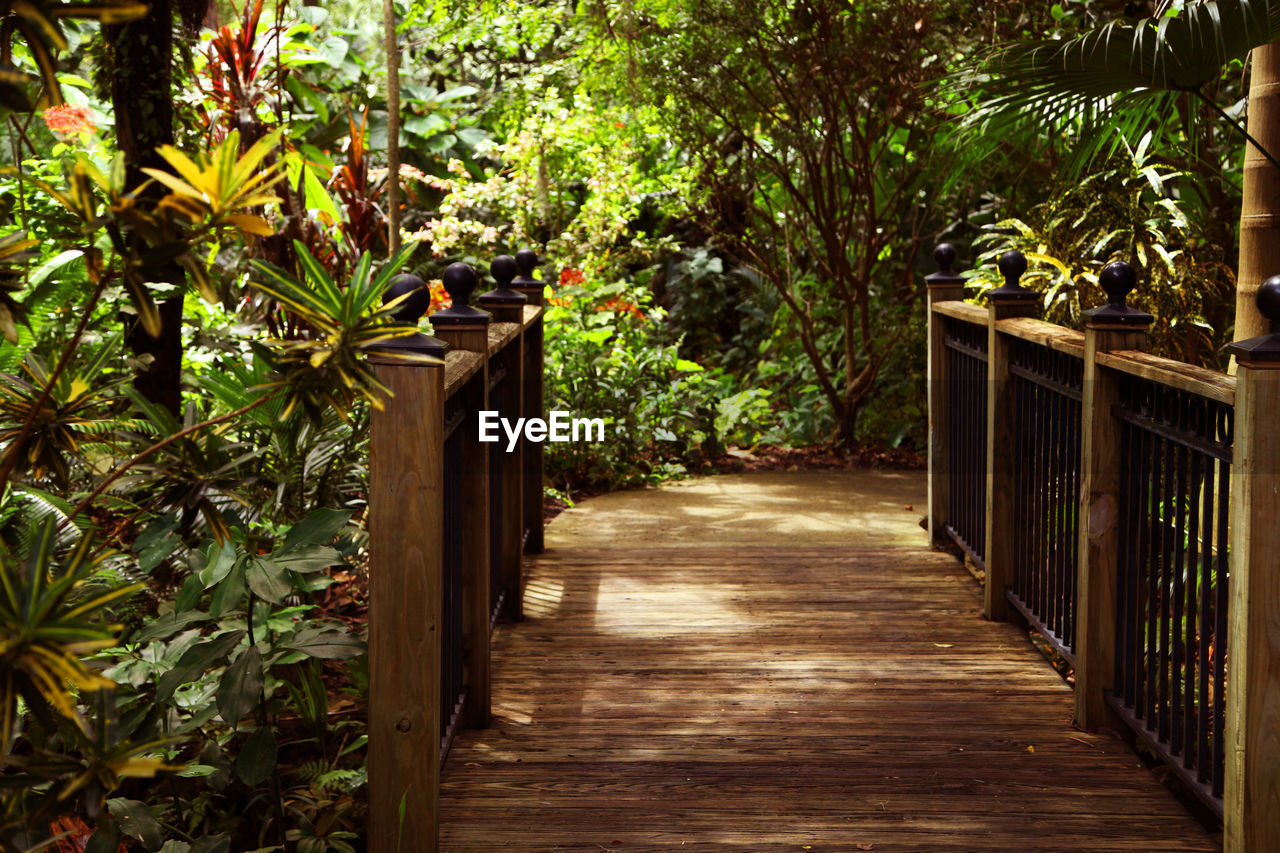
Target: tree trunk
[1260, 211]
[141, 76]
[393, 125]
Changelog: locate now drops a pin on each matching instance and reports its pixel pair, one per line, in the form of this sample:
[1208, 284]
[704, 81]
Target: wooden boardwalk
[749, 664]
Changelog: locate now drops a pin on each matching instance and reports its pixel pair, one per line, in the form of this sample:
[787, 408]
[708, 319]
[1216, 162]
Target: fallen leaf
[944, 645]
[908, 507]
[866, 846]
[1030, 748]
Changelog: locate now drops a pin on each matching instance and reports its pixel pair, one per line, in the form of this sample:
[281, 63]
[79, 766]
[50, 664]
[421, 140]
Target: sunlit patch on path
[776, 662]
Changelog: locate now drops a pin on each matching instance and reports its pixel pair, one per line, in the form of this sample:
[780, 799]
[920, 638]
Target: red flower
[569, 275]
[622, 307]
[67, 119]
[440, 298]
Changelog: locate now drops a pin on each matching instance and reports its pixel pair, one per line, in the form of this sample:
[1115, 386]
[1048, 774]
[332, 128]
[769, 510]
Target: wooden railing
[449, 518]
[1127, 513]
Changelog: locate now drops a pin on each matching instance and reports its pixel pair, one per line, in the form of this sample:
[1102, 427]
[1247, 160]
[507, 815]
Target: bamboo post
[1011, 300]
[943, 286]
[507, 306]
[1251, 795]
[1114, 326]
[526, 260]
[406, 520]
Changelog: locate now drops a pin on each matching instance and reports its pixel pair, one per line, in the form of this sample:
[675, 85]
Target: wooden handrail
[1202, 381]
[966, 311]
[1054, 337]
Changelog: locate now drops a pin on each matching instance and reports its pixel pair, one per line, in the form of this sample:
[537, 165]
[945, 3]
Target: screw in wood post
[506, 305]
[1011, 300]
[1251, 794]
[406, 492]
[943, 286]
[526, 261]
[1111, 327]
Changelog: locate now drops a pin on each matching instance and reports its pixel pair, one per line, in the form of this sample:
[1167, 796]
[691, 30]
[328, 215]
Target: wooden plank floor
[783, 698]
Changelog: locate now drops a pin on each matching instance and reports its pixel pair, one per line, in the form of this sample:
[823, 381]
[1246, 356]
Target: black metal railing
[966, 372]
[1046, 386]
[458, 418]
[1171, 596]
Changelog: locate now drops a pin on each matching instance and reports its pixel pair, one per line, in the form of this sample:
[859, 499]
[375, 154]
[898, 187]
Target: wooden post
[1114, 326]
[1011, 300]
[1251, 795]
[406, 521]
[477, 711]
[943, 286]
[526, 260]
[507, 306]
[467, 329]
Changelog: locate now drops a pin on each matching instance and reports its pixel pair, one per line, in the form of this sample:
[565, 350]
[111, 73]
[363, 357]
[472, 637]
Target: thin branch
[160, 445]
[15, 446]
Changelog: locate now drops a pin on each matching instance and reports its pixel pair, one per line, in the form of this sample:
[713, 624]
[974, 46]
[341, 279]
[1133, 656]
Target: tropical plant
[328, 367]
[1125, 78]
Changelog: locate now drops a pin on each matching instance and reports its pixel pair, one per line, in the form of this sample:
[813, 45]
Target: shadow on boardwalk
[775, 662]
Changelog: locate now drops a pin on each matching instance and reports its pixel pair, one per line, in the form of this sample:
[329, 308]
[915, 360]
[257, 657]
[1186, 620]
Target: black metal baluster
[1190, 645]
[1220, 632]
[1168, 532]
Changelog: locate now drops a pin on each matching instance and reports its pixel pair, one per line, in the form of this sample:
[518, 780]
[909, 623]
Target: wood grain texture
[1098, 542]
[706, 696]
[939, 430]
[531, 313]
[966, 311]
[459, 366]
[501, 334]
[1001, 432]
[1050, 335]
[1252, 784]
[406, 488]
[1175, 374]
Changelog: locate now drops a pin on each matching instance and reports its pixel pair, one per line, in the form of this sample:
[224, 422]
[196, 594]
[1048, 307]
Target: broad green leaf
[241, 686]
[136, 821]
[230, 593]
[219, 561]
[195, 661]
[267, 579]
[318, 528]
[257, 757]
[327, 644]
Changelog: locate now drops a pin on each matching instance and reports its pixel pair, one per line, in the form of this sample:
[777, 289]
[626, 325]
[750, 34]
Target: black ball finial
[1012, 265]
[526, 260]
[418, 301]
[1268, 301]
[460, 281]
[944, 255]
[1118, 279]
[504, 270]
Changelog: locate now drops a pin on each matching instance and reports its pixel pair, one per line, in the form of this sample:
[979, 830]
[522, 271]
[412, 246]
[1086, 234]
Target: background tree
[811, 134]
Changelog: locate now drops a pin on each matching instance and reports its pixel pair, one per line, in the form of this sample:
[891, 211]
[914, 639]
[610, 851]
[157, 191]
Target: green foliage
[604, 360]
[329, 368]
[1122, 211]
